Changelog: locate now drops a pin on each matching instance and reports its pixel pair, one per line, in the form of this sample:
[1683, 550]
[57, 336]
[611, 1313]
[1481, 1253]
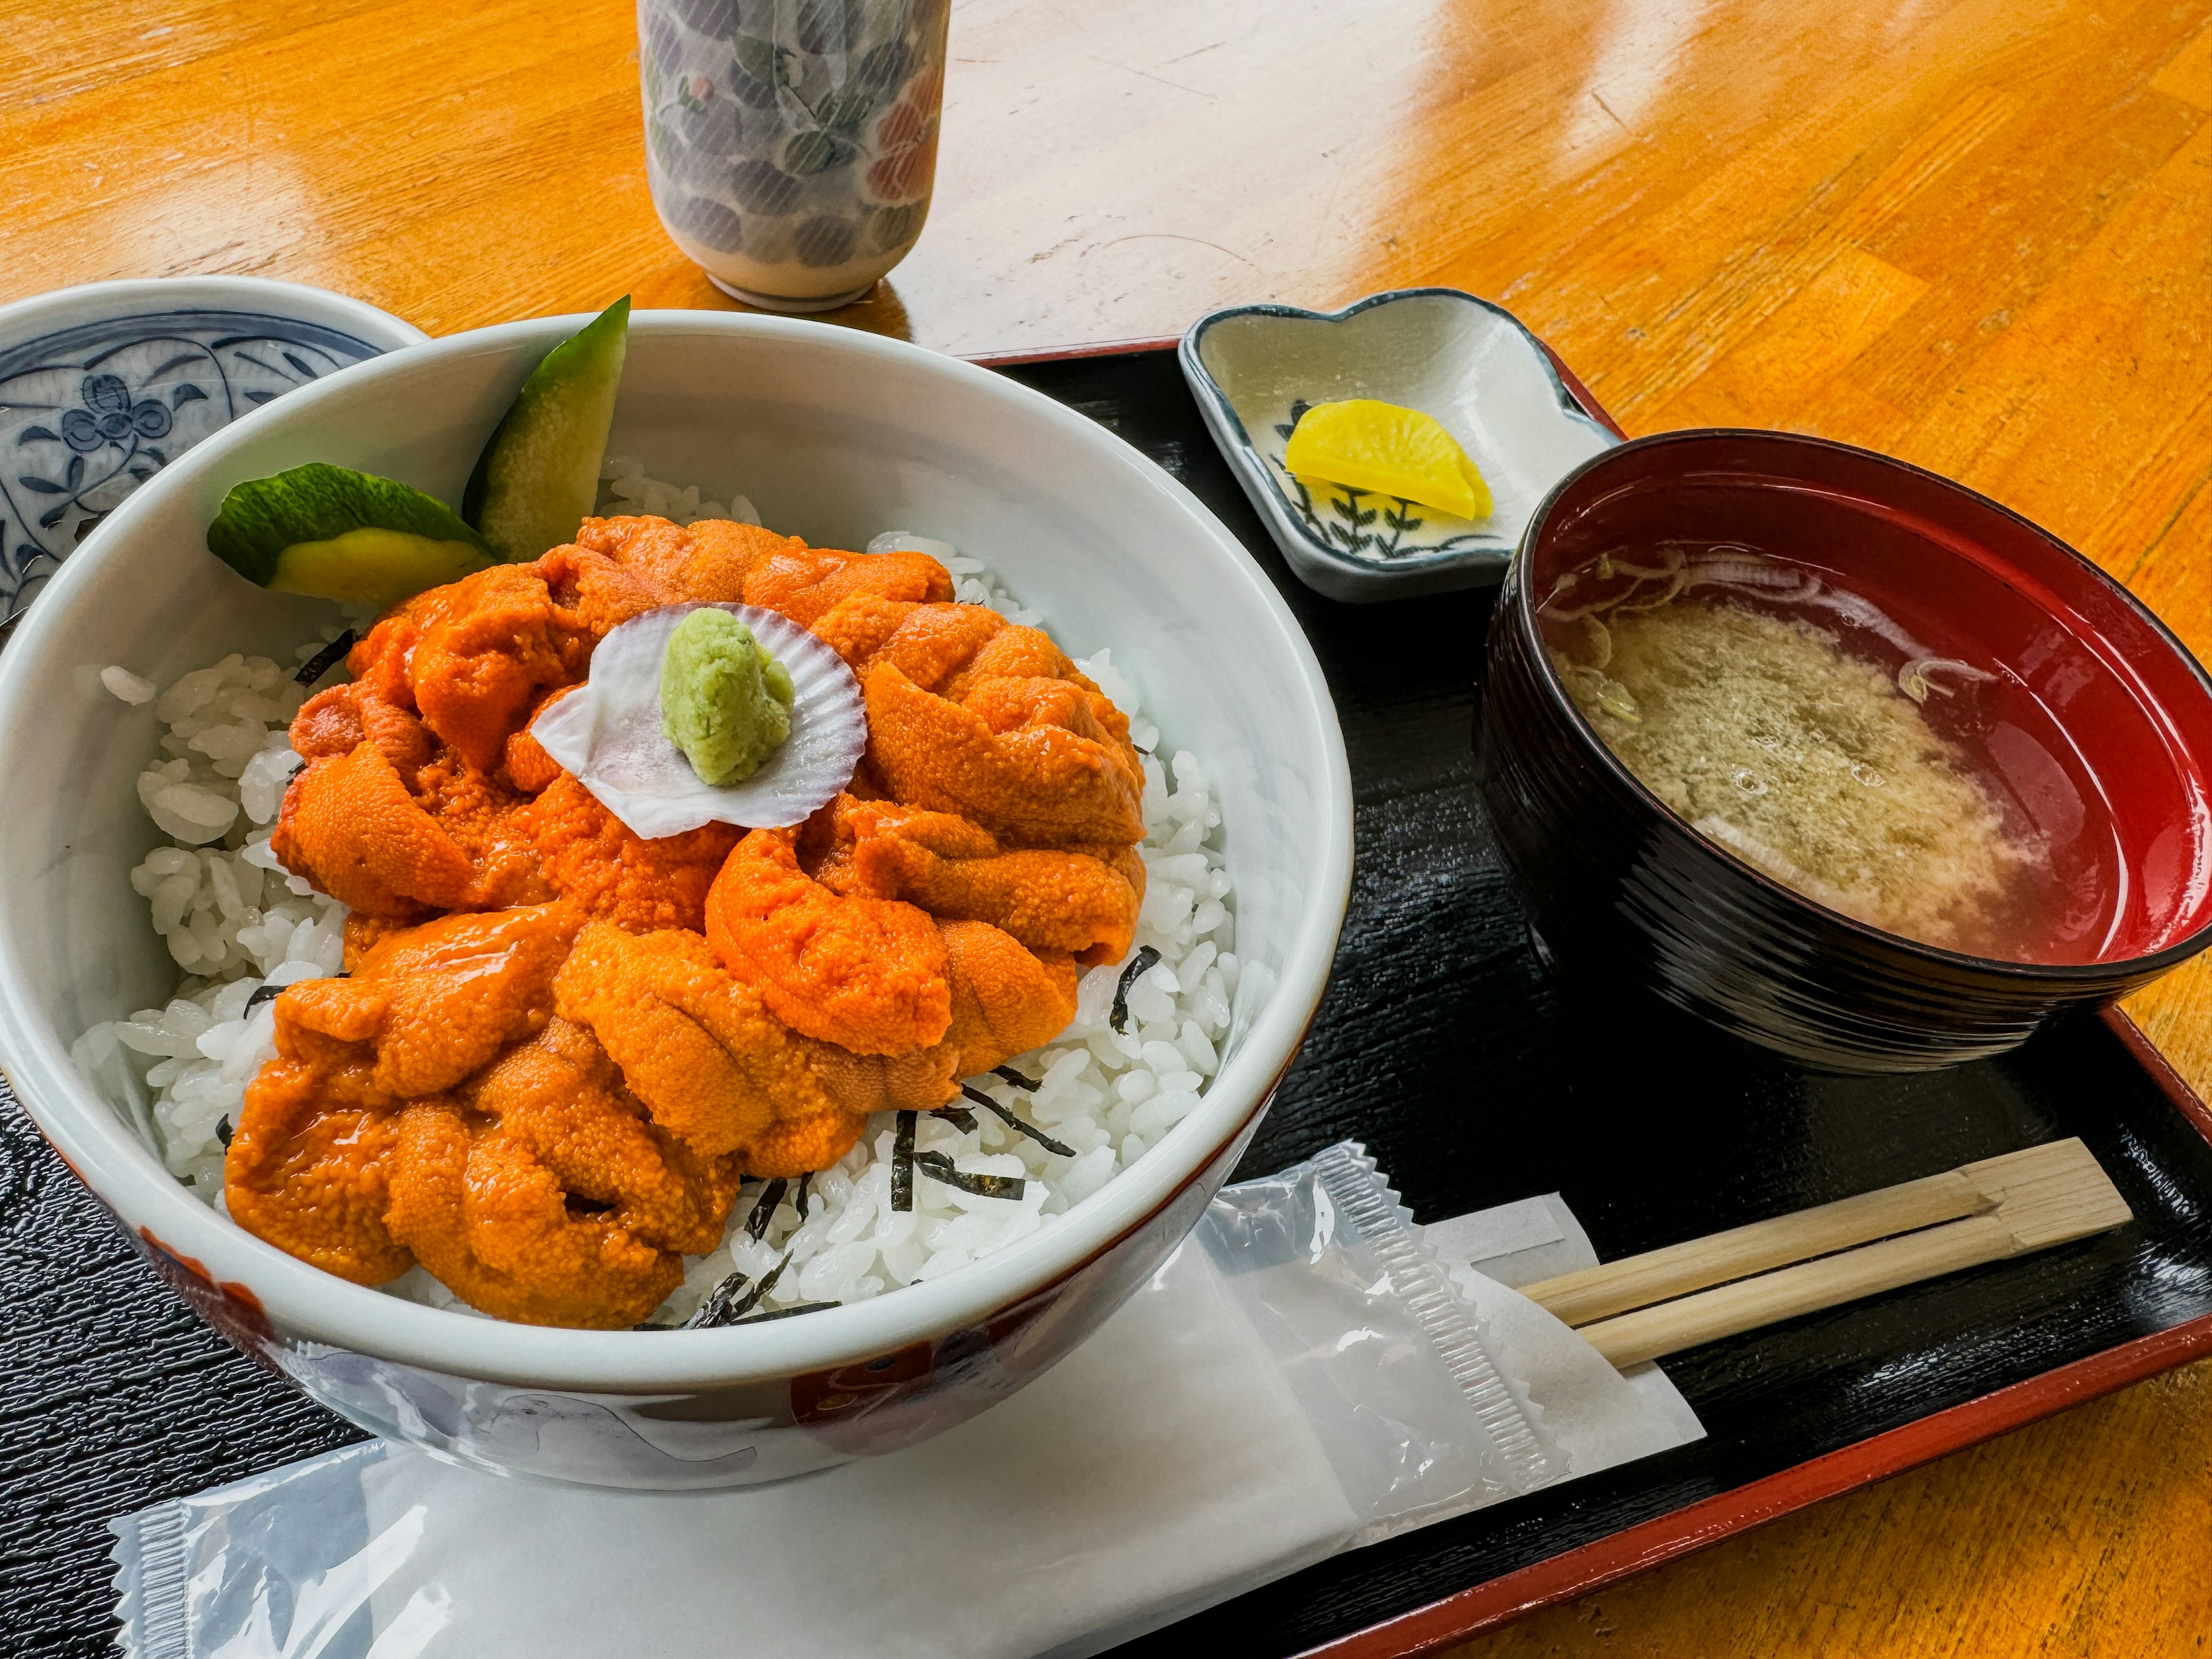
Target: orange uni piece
[425, 1007]
[376, 825]
[707, 560]
[350, 825]
[1007, 999]
[1006, 760]
[485, 653]
[494, 1225]
[527, 766]
[563, 1100]
[1049, 899]
[307, 1171]
[804, 582]
[361, 933]
[928, 643]
[543, 1194]
[697, 1047]
[592, 859]
[334, 721]
[865, 974]
[595, 592]
[478, 809]
[1018, 652]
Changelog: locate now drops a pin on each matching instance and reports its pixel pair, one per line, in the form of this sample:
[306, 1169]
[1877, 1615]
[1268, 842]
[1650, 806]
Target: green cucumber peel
[318, 502]
[537, 478]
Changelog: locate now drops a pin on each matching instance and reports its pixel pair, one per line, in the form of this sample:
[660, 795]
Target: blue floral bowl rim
[1500, 556]
[120, 298]
[57, 318]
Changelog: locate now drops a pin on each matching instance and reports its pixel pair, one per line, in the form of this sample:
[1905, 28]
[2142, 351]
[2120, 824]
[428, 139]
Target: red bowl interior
[2098, 725]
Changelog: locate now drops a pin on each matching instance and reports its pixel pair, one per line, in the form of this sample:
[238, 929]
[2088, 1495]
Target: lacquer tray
[1443, 1046]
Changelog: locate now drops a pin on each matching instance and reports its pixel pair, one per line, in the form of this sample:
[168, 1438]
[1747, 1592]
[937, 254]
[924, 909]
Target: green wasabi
[724, 702]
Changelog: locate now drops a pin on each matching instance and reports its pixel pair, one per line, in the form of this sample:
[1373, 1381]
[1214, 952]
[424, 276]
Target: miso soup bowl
[1623, 893]
[835, 435]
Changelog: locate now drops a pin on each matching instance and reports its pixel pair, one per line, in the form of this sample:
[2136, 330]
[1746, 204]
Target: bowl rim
[93, 1139]
[124, 297]
[1494, 559]
[1519, 578]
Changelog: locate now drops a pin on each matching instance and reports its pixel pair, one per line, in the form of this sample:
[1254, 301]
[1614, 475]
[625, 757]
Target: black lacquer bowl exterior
[1623, 893]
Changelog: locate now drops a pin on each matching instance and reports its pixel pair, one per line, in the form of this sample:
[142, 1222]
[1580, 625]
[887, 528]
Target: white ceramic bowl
[835, 435]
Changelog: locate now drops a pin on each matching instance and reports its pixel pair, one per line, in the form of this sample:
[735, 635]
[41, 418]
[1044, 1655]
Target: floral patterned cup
[791, 143]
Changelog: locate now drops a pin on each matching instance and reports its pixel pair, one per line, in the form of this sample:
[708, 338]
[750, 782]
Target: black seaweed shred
[321, 663]
[799, 1198]
[938, 1167]
[262, 993]
[959, 1116]
[222, 1129]
[764, 1209]
[1059, 1147]
[1026, 1085]
[902, 1163]
[1140, 965]
[730, 1301]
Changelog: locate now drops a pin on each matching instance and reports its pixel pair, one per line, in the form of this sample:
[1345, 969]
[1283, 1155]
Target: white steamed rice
[234, 920]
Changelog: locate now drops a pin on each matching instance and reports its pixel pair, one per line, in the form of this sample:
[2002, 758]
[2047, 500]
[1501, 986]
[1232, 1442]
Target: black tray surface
[1474, 1077]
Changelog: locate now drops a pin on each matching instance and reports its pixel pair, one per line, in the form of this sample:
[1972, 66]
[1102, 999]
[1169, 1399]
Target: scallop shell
[608, 732]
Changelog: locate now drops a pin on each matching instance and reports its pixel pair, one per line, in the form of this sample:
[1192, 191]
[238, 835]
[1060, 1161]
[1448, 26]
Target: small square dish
[1253, 369]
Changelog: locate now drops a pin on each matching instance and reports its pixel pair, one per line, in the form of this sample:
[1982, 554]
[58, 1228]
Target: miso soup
[1800, 726]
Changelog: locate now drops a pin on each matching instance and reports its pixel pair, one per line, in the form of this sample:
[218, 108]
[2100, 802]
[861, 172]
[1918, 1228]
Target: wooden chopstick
[1743, 1278]
[1637, 1281]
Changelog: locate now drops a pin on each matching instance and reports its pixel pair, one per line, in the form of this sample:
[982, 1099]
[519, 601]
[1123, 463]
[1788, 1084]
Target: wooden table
[1976, 234]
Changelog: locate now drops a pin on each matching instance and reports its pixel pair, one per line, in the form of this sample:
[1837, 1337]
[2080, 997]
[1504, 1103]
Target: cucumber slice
[539, 475]
[339, 534]
[373, 567]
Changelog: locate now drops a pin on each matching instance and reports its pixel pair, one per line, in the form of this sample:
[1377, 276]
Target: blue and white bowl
[1253, 370]
[102, 386]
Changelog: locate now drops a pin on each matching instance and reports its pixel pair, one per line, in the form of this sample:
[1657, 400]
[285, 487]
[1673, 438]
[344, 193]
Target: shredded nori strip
[959, 1116]
[785, 1313]
[322, 662]
[1026, 1085]
[730, 1301]
[938, 1167]
[1140, 965]
[902, 1163]
[222, 1129]
[262, 993]
[1017, 1125]
[764, 1209]
[799, 1198]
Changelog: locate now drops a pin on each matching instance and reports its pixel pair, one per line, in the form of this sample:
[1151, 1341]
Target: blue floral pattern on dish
[88, 413]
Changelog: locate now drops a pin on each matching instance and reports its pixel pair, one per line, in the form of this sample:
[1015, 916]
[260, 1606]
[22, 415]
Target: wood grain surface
[1976, 234]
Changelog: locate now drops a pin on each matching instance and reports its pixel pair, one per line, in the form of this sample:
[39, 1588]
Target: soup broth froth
[1803, 729]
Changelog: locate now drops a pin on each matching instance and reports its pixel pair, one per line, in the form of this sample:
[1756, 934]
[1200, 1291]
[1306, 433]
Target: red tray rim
[1496, 1601]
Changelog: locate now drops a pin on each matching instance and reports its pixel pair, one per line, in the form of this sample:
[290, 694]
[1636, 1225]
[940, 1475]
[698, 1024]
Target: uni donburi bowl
[835, 435]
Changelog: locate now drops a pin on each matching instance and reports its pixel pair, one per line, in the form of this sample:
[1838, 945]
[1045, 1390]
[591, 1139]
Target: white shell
[609, 733]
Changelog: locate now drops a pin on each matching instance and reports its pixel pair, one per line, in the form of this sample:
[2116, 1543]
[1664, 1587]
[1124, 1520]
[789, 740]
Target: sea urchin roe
[1806, 763]
[724, 702]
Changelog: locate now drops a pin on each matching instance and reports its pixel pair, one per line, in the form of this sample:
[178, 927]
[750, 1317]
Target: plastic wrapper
[1301, 1377]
